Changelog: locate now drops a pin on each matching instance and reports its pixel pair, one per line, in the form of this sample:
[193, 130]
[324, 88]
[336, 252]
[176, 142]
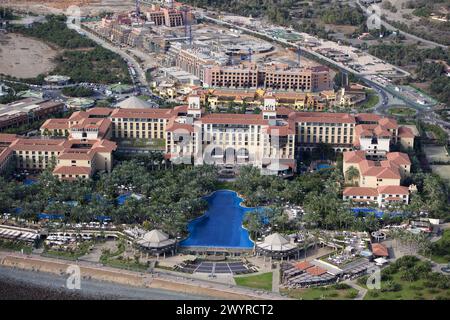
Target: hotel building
[27, 110]
[272, 140]
[273, 76]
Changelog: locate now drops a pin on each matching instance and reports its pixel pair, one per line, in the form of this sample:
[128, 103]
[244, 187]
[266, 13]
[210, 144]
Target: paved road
[406, 34]
[140, 73]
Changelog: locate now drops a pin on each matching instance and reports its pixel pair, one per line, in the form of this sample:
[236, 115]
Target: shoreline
[163, 283]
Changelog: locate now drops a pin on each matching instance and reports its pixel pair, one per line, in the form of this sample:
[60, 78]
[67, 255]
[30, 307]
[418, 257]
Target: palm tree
[352, 174]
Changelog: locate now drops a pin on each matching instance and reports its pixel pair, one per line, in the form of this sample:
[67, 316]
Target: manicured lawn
[260, 281]
[341, 292]
[402, 111]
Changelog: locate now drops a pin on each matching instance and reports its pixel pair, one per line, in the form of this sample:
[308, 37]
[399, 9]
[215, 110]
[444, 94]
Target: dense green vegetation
[6, 13]
[97, 65]
[14, 89]
[77, 91]
[82, 59]
[69, 254]
[15, 246]
[433, 71]
[409, 278]
[401, 55]
[303, 16]
[260, 281]
[402, 111]
[372, 100]
[55, 31]
[164, 204]
[440, 250]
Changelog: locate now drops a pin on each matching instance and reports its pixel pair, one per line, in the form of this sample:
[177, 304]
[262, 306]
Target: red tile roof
[303, 265]
[367, 117]
[72, 170]
[56, 124]
[379, 250]
[7, 138]
[142, 113]
[227, 118]
[316, 271]
[360, 191]
[393, 190]
[405, 132]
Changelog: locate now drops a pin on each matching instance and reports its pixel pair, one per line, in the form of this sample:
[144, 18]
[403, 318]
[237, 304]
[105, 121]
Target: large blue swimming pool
[221, 225]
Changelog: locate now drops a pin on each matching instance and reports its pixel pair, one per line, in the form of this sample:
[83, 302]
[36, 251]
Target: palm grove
[173, 195]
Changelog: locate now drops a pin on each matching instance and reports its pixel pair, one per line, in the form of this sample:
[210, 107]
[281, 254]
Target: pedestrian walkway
[361, 291]
[276, 280]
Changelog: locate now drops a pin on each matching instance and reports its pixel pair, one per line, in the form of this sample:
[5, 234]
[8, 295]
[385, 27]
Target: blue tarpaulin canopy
[50, 216]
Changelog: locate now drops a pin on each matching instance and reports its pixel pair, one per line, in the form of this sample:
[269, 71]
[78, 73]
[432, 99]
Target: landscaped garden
[409, 278]
[402, 111]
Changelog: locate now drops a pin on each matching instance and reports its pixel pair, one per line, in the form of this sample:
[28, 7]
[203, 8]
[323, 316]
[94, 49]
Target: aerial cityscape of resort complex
[225, 150]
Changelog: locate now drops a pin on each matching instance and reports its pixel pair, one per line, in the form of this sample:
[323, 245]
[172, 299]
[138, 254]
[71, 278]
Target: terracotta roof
[73, 155]
[379, 250]
[227, 118]
[367, 117]
[323, 117]
[393, 190]
[55, 124]
[360, 191]
[72, 170]
[405, 132]
[303, 265]
[399, 158]
[316, 271]
[142, 113]
[180, 126]
[382, 172]
[388, 123]
[279, 130]
[38, 144]
[354, 156]
[7, 137]
[100, 111]
[4, 154]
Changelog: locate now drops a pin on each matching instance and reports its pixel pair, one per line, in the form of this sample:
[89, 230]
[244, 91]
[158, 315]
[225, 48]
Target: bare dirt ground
[442, 170]
[436, 153]
[60, 6]
[25, 57]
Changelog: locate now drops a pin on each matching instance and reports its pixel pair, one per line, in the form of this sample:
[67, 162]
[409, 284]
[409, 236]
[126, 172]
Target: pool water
[323, 166]
[221, 225]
